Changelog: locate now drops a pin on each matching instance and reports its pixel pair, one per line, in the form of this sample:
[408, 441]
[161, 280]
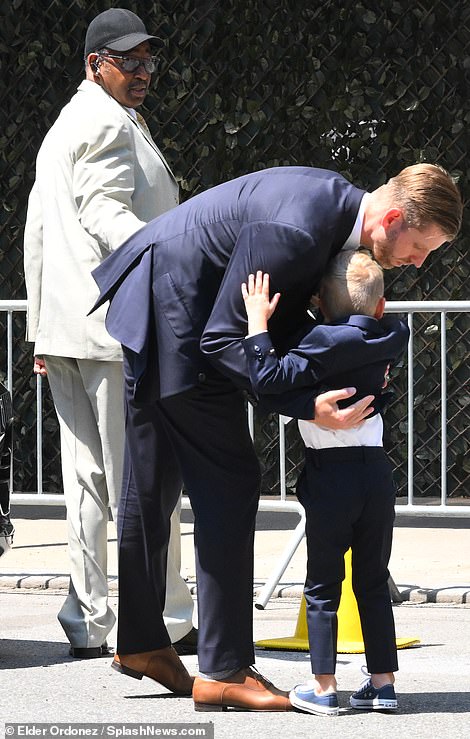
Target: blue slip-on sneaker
[305, 698]
[370, 698]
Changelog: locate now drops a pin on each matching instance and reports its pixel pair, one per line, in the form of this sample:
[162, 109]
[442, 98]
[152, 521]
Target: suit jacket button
[256, 348]
[201, 377]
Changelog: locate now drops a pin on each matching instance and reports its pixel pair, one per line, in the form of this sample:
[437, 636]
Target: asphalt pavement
[39, 682]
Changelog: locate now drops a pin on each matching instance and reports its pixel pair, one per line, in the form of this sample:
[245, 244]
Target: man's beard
[382, 251]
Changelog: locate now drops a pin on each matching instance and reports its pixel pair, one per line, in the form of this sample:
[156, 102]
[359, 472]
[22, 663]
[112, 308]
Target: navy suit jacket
[174, 286]
[353, 351]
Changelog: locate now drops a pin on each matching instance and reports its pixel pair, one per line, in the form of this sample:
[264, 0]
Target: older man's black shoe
[188, 644]
[91, 652]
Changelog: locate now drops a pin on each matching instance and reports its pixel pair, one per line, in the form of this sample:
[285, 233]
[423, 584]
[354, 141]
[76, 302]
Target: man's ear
[392, 221]
[93, 62]
[380, 308]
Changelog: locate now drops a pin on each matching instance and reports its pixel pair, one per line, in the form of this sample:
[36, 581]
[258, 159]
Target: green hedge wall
[360, 87]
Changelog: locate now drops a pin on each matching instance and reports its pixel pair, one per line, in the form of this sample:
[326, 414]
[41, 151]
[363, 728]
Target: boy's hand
[259, 307]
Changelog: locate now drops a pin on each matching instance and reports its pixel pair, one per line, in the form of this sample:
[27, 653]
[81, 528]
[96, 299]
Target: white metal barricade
[282, 504]
[442, 307]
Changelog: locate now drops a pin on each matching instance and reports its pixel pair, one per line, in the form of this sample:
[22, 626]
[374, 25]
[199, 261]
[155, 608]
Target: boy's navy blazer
[354, 351]
[174, 286]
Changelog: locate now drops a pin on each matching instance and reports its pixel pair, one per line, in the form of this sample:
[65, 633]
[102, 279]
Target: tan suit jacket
[99, 178]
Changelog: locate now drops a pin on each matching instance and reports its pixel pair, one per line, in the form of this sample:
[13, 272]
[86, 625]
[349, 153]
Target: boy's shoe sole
[376, 704]
[368, 698]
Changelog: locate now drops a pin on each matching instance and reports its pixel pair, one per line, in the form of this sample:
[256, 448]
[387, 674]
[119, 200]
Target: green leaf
[369, 17]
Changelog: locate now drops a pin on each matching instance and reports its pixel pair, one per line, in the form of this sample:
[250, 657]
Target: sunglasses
[132, 63]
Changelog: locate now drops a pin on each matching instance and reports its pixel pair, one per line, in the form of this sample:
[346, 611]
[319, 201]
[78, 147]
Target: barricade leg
[6, 418]
[287, 555]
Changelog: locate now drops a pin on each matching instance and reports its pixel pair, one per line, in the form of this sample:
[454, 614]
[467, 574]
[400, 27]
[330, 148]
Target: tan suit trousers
[88, 398]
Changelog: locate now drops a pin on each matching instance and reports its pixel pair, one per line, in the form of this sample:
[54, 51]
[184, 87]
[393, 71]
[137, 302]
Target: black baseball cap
[117, 29]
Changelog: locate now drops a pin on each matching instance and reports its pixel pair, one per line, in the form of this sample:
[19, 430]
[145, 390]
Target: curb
[456, 595]
[53, 582]
[459, 595]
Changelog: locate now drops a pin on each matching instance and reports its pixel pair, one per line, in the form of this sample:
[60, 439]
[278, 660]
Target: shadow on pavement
[16, 654]
[414, 703]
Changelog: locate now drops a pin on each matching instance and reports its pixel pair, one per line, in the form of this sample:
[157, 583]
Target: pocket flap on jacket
[170, 298]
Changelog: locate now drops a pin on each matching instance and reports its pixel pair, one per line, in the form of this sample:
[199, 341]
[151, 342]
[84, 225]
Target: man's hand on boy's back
[328, 414]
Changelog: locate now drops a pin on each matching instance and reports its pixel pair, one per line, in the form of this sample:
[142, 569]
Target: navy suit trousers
[199, 439]
[349, 496]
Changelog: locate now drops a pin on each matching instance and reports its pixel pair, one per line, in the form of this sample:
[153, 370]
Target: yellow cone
[349, 625]
[298, 642]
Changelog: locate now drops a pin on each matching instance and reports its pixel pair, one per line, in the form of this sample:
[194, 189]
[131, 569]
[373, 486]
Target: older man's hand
[39, 367]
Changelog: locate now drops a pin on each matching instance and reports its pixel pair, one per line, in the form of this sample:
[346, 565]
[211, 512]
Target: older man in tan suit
[99, 178]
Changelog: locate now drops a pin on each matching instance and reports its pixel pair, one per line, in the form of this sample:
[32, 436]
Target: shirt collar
[354, 239]
[366, 323]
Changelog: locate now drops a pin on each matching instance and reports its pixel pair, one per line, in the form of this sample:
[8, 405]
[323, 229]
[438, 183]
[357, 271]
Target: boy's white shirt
[368, 433]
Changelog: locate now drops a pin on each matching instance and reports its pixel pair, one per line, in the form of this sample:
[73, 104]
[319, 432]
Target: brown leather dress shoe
[246, 690]
[162, 665]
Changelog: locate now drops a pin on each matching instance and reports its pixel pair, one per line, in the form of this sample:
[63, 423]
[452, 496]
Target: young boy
[346, 485]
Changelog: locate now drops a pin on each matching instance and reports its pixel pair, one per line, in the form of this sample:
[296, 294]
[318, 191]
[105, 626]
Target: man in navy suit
[346, 485]
[177, 310]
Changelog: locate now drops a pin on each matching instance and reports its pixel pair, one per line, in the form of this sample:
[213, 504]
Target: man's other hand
[328, 414]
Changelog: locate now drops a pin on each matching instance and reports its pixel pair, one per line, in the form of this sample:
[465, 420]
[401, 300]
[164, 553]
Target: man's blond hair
[428, 195]
[352, 284]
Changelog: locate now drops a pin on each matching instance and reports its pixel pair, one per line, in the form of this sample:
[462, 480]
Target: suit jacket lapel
[146, 134]
[142, 127]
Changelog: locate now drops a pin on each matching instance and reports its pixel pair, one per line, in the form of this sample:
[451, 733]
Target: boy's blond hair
[352, 284]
